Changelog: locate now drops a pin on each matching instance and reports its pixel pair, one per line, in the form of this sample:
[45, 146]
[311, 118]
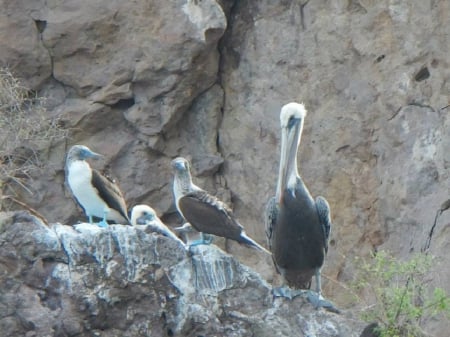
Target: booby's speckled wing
[208, 214]
[323, 211]
[270, 219]
[110, 192]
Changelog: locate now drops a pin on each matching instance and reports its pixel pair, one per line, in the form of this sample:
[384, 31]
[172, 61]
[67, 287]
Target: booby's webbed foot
[102, 224]
[287, 292]
[318, 301]
[204, 240]
[208, 239]
[197, 243]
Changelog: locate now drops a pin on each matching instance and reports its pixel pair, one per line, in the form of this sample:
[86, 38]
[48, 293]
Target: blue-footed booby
[98, 195]
[145, 215]
[204, 212]
[297, 226]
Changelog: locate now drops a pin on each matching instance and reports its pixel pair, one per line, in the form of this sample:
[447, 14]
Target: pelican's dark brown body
[298, 238]
[297, 226]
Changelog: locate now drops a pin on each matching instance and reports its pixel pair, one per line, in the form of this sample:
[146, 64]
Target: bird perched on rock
[98, 195]
[204, 212]
[145, 215]
[297, 226]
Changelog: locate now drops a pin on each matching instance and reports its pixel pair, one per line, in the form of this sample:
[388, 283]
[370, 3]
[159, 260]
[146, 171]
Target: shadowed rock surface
[126, 281]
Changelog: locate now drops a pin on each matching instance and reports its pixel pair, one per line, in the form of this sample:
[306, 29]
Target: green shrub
[399, 294]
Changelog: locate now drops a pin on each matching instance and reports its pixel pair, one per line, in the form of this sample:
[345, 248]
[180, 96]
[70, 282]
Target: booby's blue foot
[197, 243]
[207, 239]
[204, 240]
[318, 301]
[287, 292]
[102, 224]
[200, 242]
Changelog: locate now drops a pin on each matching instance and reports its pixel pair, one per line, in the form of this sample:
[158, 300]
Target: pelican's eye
[292, 121]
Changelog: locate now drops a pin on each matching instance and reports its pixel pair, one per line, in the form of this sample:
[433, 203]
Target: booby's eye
[180, 165]
[84, 153]
[148, 215]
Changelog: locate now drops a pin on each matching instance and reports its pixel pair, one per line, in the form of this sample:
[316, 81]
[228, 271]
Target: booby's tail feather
[252, 243]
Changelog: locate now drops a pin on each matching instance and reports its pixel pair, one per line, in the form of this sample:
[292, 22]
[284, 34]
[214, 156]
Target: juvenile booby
[204, 212]
[98, 195]
[297, 226]
[145, 215]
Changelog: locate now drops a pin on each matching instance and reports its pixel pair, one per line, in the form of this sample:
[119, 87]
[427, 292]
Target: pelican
[98, 195]
[145, 215]
[204, 212]
[297, 226]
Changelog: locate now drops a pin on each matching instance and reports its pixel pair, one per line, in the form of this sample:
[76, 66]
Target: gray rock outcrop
[126, 281]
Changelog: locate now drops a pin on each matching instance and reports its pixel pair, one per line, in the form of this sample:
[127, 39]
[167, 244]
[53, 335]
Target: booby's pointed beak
[94, 155]
[85, 153]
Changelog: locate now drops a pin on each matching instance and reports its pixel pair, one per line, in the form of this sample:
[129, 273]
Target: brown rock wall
[144, 82]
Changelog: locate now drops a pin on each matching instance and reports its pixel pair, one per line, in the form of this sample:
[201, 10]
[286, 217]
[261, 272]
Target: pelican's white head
[291, 112]
[292, 116]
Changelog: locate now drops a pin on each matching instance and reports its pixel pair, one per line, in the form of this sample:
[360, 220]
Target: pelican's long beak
[290, 141]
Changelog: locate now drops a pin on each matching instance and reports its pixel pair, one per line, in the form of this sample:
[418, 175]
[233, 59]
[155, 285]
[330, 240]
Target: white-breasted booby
[145, 215]
[297, 226]
[204, 212]
[98, 195]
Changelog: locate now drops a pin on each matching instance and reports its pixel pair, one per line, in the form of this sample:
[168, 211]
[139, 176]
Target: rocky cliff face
[146, 81]
[126, 281]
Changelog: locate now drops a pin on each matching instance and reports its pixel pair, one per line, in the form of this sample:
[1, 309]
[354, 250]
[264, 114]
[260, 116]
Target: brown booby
[98, 195]
[204, 212]
[297, 226]
[145, 215]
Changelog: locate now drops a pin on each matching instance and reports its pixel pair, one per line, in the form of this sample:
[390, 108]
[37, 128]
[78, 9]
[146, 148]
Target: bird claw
[204, 240]
[318, 301]
[207, 239]
[287, 292]
[102, 224]
[197, 243]
[200, 242]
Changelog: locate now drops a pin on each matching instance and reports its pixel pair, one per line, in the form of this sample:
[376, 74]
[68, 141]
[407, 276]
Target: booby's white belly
[79, 180]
